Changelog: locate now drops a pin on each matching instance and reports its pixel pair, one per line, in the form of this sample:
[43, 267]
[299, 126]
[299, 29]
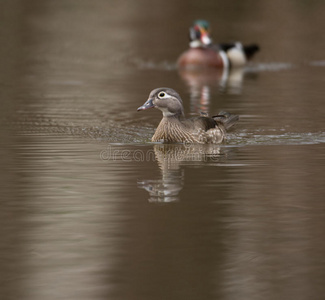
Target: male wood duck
[174, 128]
[203, 53]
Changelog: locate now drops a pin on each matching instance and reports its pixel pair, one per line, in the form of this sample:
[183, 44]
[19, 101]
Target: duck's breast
[200, 57]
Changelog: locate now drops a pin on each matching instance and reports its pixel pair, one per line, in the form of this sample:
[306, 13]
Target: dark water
[90, 209]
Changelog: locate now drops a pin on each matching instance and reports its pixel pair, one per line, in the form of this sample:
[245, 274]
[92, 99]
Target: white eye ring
[162, 95]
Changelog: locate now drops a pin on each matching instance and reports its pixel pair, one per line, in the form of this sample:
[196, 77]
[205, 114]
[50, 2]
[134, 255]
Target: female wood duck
[174, 128]
[203, 53]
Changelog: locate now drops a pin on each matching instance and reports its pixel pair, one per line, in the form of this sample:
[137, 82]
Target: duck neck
[168, 117]
[197, 44]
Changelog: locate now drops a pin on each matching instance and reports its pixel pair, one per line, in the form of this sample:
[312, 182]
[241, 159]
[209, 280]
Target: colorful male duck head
[200, 34]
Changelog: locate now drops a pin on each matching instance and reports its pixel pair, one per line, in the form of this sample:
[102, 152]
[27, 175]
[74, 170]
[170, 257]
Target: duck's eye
[162, 95]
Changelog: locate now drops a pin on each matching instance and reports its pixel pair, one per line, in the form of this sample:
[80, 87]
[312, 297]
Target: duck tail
[226, 119]
[250, 50]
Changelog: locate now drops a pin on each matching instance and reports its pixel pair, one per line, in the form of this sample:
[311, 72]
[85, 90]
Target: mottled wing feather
[203, 123]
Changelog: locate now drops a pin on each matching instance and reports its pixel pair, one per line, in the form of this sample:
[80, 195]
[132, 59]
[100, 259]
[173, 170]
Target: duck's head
[200, 34]
[165, 99]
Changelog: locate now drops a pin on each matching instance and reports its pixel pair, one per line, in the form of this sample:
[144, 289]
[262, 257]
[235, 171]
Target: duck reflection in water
[171, 159]
[202, 82]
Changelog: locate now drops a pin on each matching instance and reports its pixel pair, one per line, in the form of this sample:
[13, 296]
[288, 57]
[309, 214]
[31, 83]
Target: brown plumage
[174, 128]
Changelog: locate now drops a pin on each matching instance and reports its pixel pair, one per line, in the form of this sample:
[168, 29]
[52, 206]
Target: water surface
[91, 209]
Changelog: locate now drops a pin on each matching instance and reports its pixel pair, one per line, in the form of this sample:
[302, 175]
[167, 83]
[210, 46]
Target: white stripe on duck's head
[165, 99]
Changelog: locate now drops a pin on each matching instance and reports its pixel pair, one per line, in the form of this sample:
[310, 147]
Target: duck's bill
[148, 104]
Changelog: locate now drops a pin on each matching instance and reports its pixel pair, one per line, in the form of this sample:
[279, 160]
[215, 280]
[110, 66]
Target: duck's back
[200, 122]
